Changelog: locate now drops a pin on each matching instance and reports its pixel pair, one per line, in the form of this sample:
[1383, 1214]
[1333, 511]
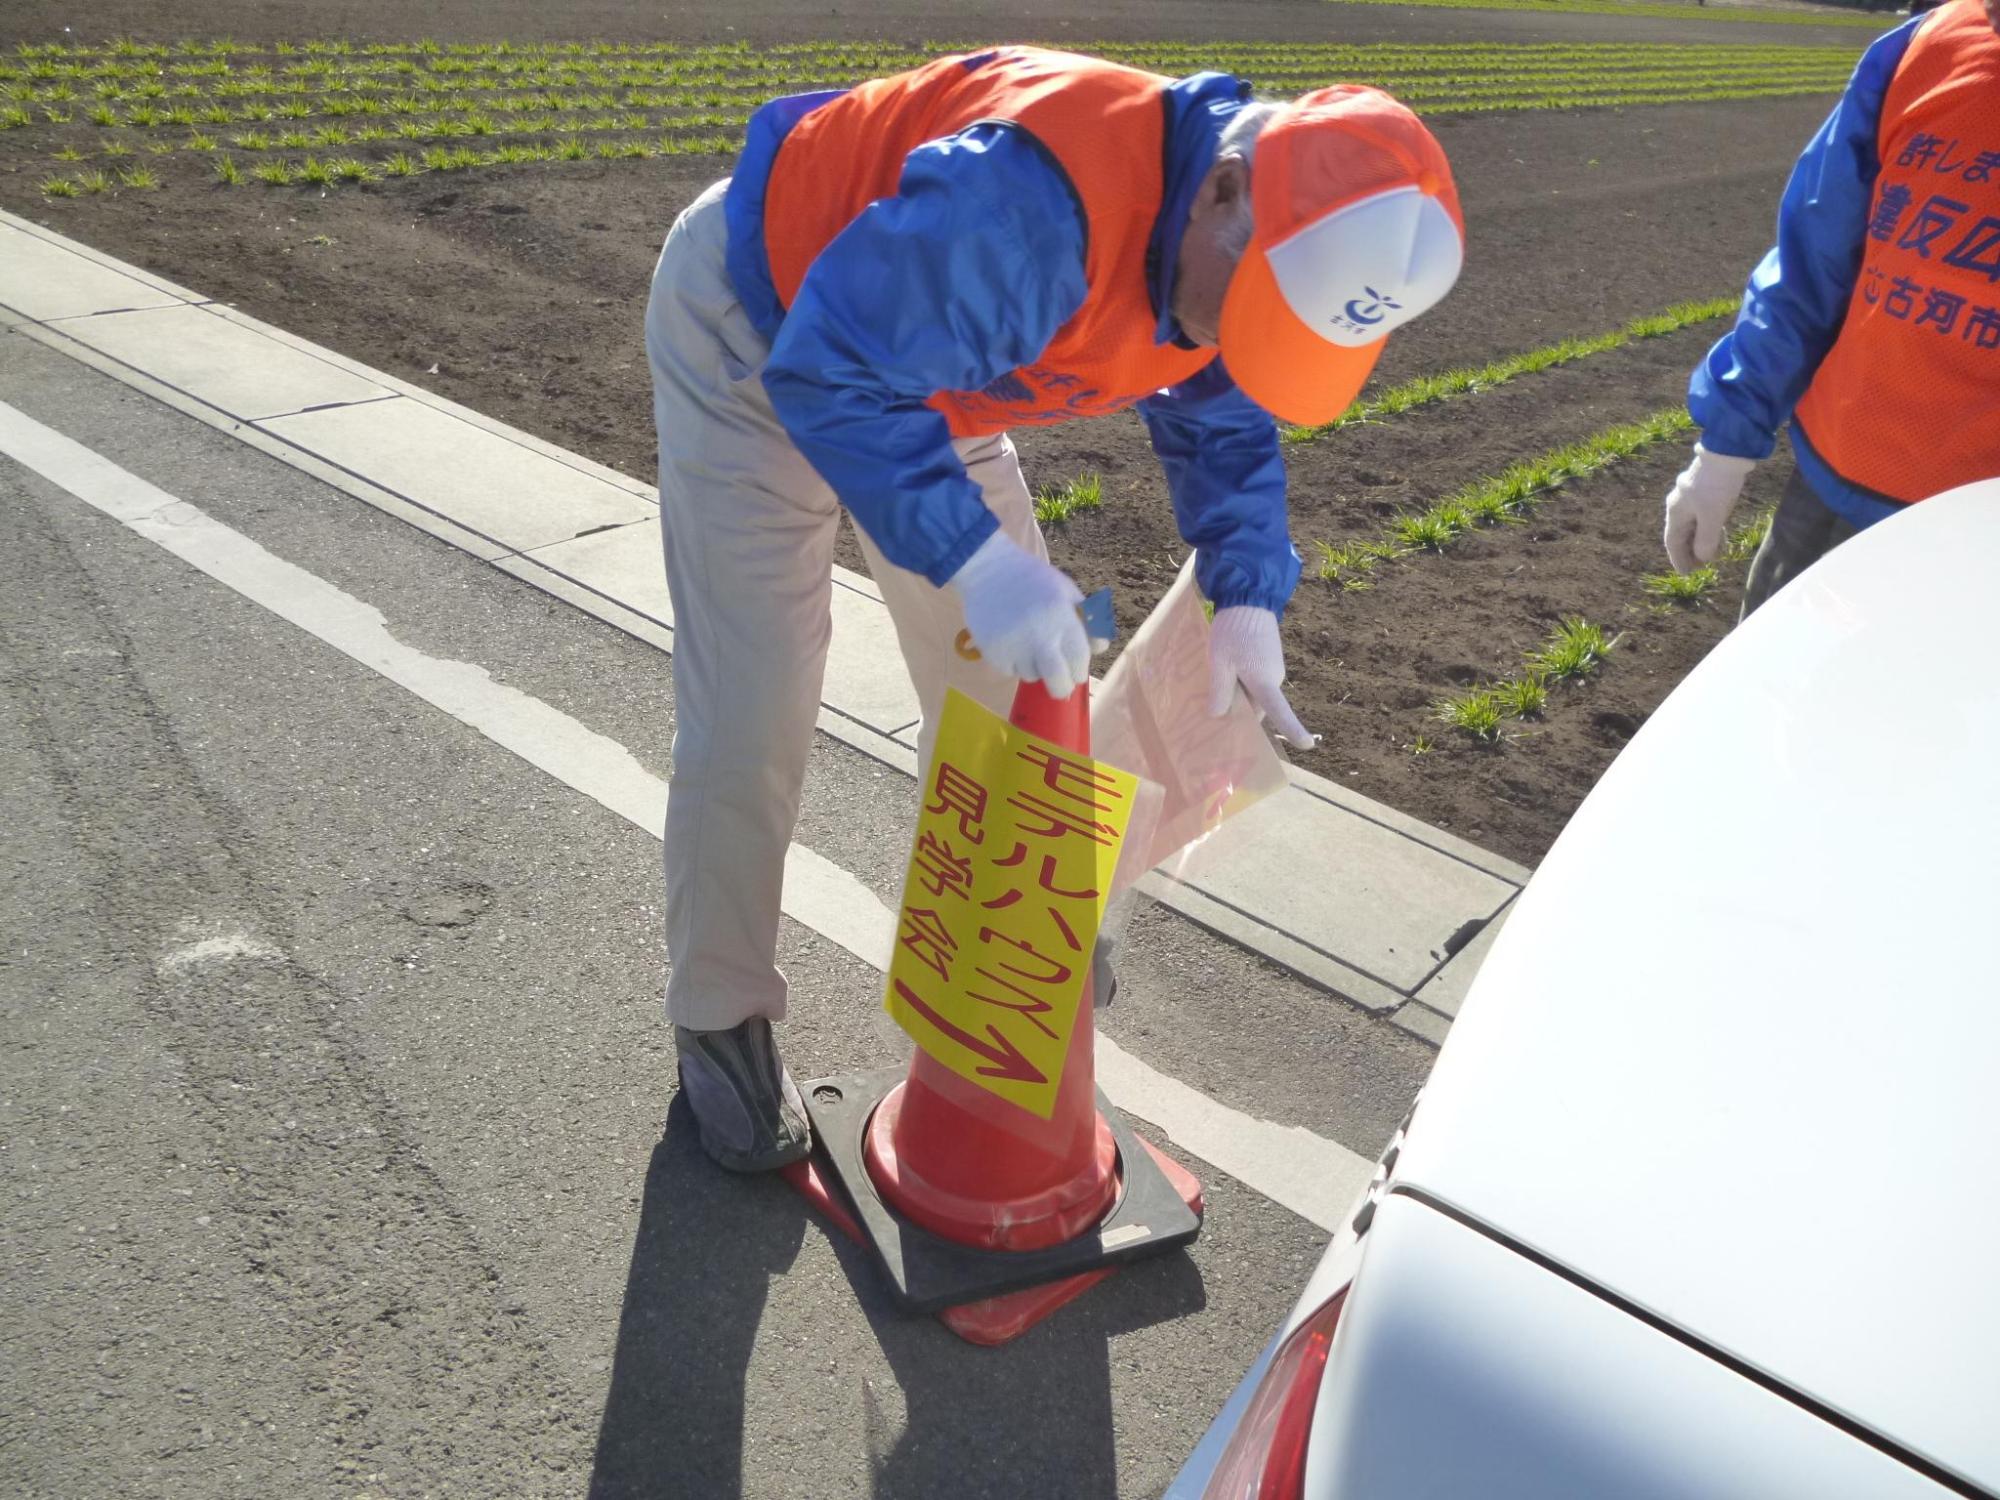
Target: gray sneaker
[751, 1116]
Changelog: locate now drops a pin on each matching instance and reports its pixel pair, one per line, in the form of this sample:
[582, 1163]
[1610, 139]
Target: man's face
[1208, 255]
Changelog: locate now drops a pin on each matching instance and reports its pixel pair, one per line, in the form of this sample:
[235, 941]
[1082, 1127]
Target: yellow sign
[1007, 884]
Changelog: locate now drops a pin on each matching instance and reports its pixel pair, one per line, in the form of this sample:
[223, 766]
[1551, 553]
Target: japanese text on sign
[1008, 880]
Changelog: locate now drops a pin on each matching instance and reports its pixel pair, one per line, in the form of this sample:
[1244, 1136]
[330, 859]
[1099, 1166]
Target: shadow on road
[709, 1246]
[1031, 1418]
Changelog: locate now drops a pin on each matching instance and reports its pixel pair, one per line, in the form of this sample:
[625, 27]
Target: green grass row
[737, 64]
[1439, 80]
[1630, 65]
[91, 183]
[1575, 648]
[1422, 96]
[1425, 389]
[1510, 495]
[429, 92]
[1197, 52]
[1295, 69]
[723, 145]
[716, 144]
[1419, 93]
[1691, 587]
[572, 147]
[1858, 19]
[205, 57]
[410, 126]
[428, 47]
[1056, 503]
[329, 172]
[1579, 100]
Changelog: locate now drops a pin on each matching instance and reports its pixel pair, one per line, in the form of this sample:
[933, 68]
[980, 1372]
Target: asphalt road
[338, 1136]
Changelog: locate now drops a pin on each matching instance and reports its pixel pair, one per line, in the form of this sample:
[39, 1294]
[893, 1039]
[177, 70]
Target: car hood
[1736, 1056]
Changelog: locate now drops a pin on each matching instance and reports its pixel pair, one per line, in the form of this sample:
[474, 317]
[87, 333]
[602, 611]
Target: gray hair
[1239, 136]
[1239, 139]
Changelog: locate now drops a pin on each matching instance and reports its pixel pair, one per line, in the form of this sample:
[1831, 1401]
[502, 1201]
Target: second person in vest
[896, 275]
[1873, 326]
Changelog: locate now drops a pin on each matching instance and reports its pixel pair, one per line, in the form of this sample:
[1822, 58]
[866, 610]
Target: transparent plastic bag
[1151, 718]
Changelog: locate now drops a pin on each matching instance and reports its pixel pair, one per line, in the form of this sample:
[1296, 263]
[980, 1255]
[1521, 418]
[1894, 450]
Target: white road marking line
[1313, 1177]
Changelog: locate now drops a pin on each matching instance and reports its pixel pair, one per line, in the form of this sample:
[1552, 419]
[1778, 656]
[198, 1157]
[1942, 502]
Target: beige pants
[748, 527]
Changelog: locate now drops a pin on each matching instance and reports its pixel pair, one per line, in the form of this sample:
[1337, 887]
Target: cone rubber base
[986, 1296]
[998, 1319]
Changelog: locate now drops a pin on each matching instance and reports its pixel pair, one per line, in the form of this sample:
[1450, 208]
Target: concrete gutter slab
[622, 563]
[1359, 892]
[865, 677]
[1419, 1019]
[230, 367]
[41, 281]
[1433, 838]
[1445, 990]
[483, 482]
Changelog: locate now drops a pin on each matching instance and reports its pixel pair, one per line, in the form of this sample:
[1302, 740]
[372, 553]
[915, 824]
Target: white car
[1702, 1199]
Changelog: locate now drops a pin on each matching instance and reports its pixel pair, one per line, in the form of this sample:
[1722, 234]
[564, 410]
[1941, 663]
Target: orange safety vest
[1104, 124]
[1907, 401]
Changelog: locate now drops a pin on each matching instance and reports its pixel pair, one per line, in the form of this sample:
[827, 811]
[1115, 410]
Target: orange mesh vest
[1104, 124]
[1907, 402]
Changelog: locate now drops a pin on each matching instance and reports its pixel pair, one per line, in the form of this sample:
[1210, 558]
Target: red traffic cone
[976, 1168]
[960, 1191]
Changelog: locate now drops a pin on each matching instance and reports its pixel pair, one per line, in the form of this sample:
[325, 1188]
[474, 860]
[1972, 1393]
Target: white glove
[1699, 504]
[1243, 648]
[1021, 613]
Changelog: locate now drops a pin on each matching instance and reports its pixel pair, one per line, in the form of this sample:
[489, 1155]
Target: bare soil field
[769, 21]
[517, 286]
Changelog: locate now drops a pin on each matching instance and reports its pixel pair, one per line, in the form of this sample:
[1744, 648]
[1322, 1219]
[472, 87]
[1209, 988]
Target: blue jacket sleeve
[1744, 391]
[965, 274]
[1220, 452]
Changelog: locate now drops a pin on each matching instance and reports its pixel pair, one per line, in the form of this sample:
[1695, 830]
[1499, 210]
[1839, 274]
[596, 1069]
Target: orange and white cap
[1357, 231]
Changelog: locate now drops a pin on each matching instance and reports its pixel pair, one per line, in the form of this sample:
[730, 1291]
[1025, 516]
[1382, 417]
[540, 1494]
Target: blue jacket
[965, 275]
[1797, 297]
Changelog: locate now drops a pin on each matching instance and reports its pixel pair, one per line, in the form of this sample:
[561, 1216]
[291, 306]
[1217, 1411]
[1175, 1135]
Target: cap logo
[1367, 310]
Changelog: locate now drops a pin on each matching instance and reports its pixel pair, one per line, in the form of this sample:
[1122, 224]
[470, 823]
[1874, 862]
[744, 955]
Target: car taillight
[1266, 1456]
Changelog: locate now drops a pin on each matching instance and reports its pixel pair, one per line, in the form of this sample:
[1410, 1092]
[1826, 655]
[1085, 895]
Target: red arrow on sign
[1008, 1061]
